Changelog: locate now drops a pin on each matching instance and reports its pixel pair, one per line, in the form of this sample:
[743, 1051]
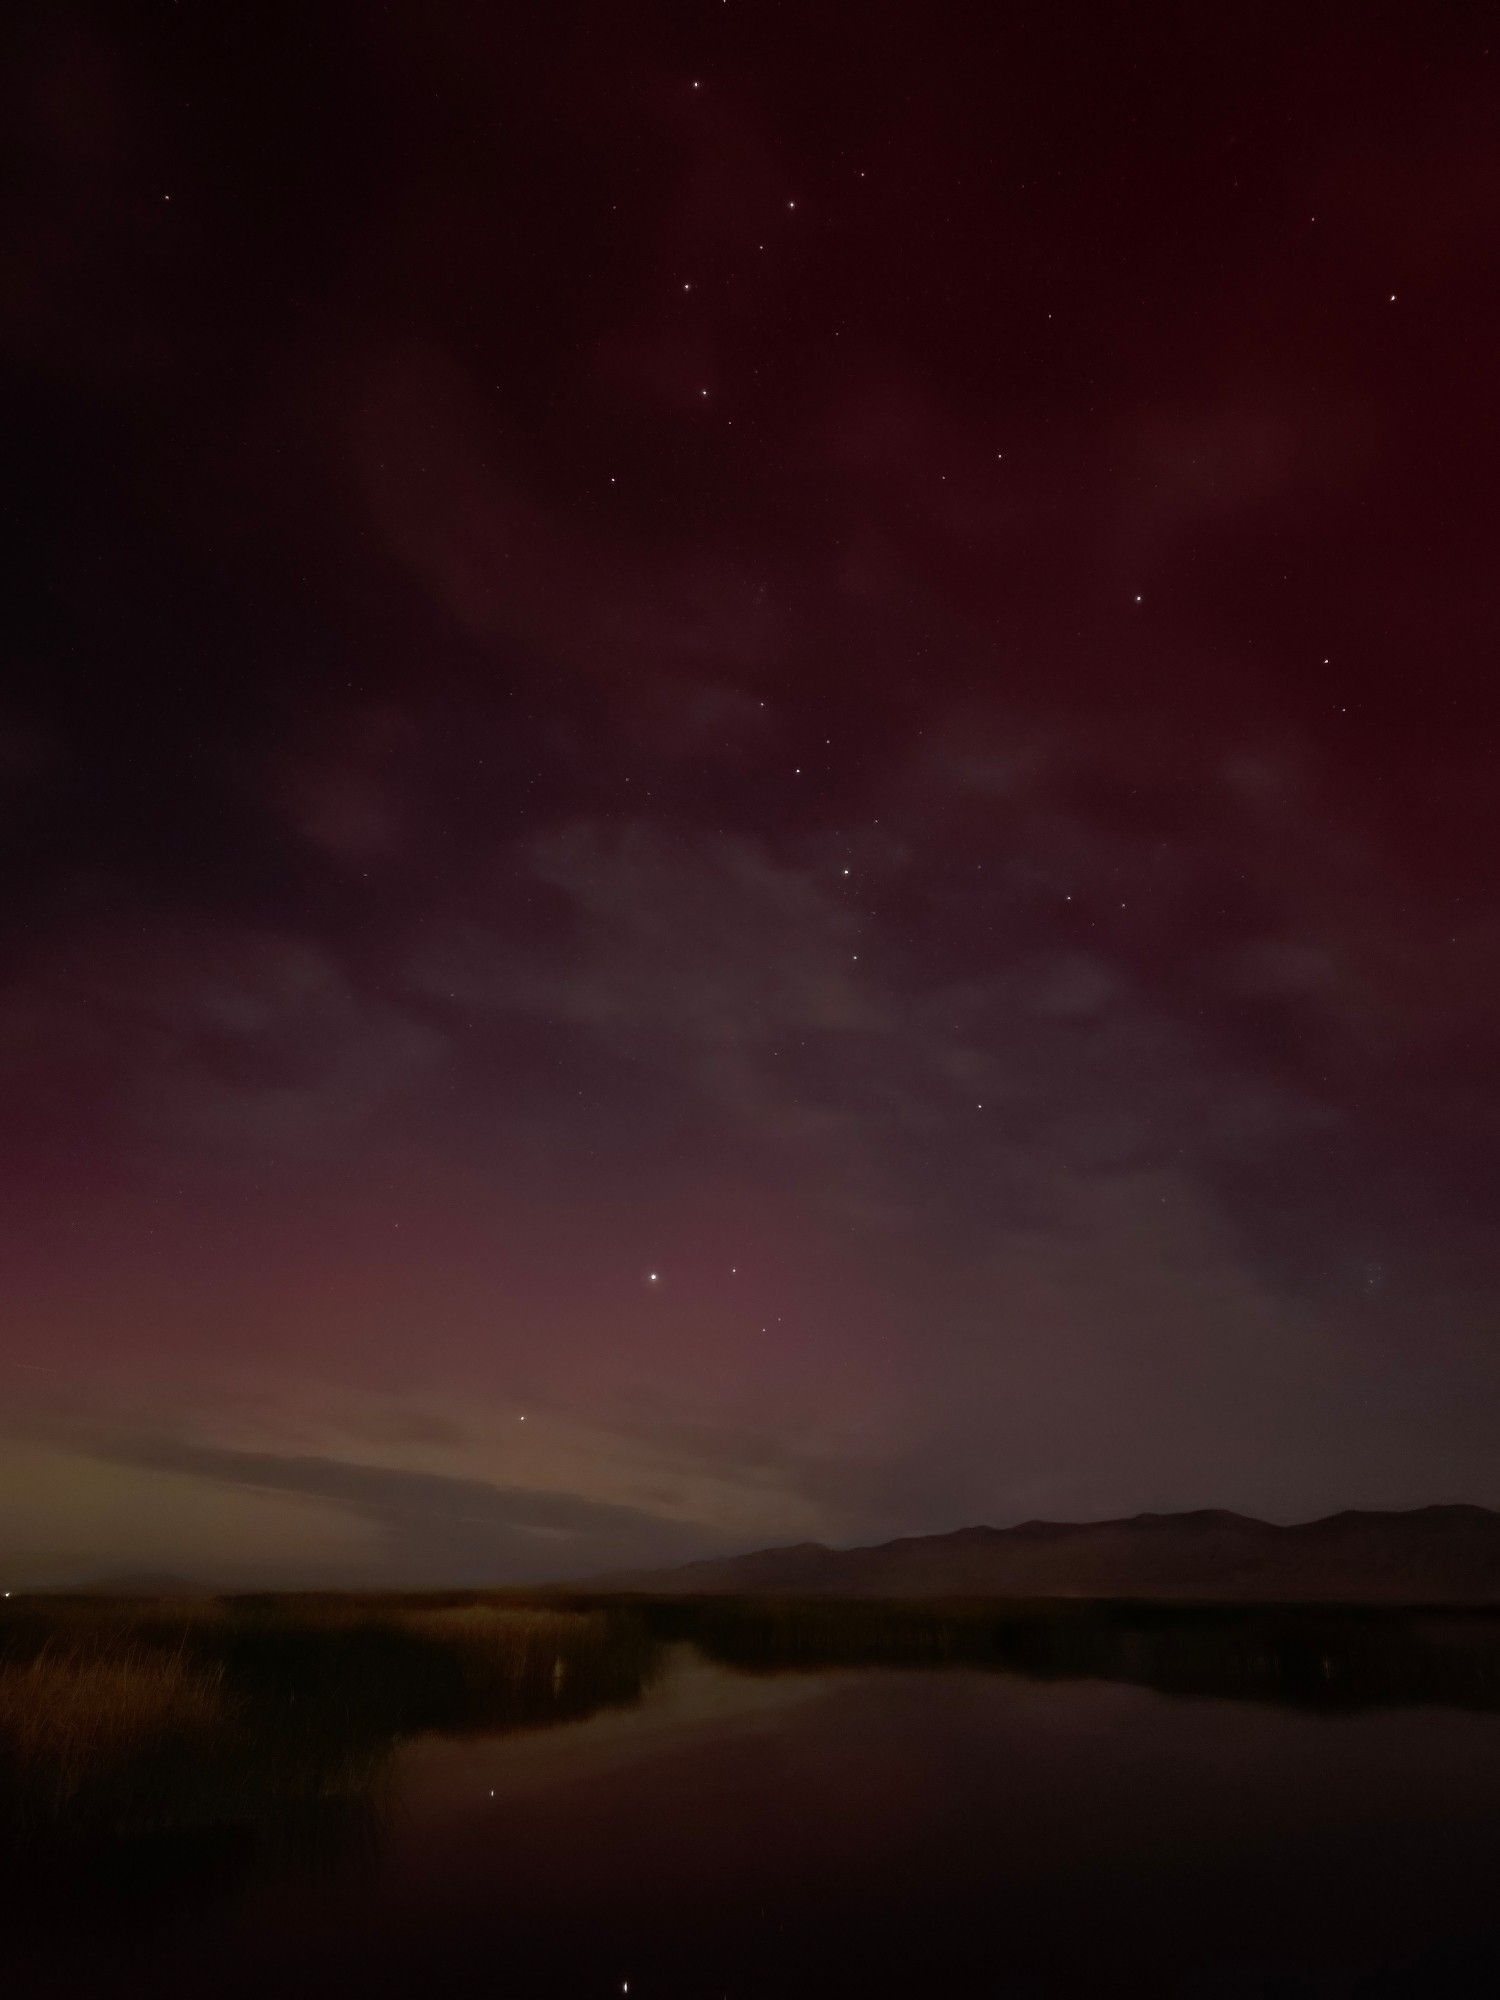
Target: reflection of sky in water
[889, 1831]
[694, 1700]
[858, 1822]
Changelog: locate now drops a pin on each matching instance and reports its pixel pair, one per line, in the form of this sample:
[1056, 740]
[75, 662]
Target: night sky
[749, 773]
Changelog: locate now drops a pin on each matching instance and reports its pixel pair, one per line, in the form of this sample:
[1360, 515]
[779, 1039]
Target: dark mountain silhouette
[1429, 1555]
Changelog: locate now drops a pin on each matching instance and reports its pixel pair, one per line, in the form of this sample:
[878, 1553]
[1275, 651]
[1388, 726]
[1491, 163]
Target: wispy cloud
[430, 1526]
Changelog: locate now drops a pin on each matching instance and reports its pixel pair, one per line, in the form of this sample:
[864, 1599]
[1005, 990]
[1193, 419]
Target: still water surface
[946, 1831]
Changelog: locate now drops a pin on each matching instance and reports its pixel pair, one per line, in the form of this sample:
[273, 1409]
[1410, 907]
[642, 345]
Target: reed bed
[150, 1715]
[66, 1715]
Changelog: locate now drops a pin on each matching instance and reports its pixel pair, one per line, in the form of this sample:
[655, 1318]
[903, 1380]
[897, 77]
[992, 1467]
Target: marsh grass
[1318, 1657]
[239, 1712]
[67, 1716]
[282, 1714]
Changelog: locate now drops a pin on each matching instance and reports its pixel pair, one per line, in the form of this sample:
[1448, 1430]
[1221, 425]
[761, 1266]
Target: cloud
[1190, 467]
[342, 790]
[713, 962]
[69, 1516]
[436, 1527]
[502, 567]
[231, 1042]
[888, 1083]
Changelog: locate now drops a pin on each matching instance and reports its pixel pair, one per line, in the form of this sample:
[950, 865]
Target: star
[653, 1276]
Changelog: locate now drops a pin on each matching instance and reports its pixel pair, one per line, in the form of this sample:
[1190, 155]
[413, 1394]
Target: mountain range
[1427, 1555]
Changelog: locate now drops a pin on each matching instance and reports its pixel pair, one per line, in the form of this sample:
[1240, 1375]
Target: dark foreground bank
[747, 1797]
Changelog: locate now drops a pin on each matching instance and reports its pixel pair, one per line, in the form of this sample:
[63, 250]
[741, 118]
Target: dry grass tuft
[65, 1716]
[133, 1714]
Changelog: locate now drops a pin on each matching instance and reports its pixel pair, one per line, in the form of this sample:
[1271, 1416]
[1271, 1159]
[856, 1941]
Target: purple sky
[843, 655]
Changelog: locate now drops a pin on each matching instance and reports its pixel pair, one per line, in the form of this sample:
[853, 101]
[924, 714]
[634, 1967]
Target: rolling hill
[1428, 1555]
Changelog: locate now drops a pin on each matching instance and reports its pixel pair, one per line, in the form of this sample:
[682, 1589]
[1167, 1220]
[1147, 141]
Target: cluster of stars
[688, 286]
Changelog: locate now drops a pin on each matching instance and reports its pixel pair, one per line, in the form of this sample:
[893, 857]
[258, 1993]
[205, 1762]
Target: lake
[823, 1803]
